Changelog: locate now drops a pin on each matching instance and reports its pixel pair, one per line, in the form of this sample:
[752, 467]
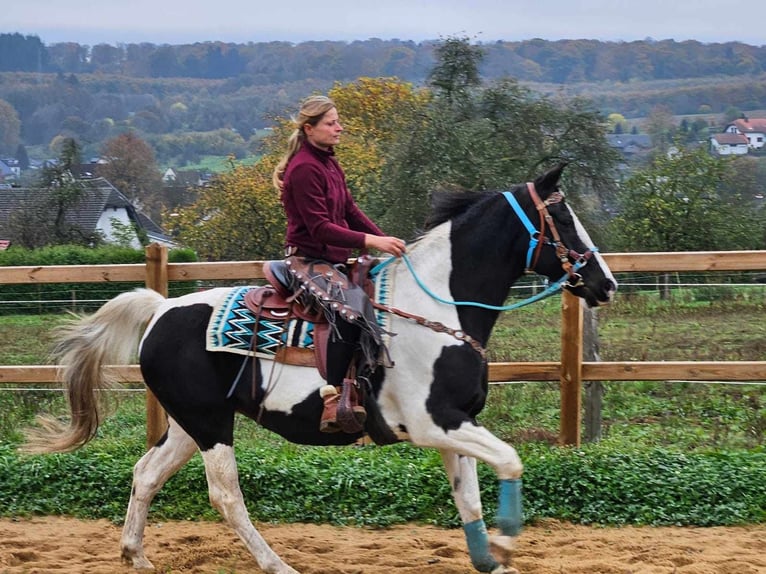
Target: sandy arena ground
[68, 546]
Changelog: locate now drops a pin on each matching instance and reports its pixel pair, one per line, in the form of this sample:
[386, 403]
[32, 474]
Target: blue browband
[533, 240]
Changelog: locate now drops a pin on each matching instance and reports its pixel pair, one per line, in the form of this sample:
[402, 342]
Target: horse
[457, 275]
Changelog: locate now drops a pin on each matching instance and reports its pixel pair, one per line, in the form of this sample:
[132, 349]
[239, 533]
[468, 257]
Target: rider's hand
[386, 244]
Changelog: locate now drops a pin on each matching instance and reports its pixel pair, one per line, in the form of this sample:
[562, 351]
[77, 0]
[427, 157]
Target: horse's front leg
[464, 481]
[226, 497]
[488, 554]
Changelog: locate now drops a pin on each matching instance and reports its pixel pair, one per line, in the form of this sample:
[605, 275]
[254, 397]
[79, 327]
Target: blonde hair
[311, 111]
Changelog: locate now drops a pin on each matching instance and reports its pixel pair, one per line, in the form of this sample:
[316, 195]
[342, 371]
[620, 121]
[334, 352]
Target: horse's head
[564, 249]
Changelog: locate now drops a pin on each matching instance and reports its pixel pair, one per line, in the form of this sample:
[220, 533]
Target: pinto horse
[456, 276]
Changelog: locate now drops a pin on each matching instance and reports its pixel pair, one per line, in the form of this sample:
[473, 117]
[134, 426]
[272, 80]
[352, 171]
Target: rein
[537, 239]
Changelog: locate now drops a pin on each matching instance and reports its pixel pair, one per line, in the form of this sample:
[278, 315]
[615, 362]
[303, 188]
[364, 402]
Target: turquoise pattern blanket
[232, 325]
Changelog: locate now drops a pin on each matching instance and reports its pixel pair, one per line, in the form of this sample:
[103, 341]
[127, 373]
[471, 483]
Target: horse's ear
[550, 179]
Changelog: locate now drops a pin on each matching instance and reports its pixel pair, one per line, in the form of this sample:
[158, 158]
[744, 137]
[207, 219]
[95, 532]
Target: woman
[324, 224]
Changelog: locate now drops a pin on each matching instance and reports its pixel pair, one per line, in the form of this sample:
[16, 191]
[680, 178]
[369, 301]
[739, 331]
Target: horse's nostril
[609, 286]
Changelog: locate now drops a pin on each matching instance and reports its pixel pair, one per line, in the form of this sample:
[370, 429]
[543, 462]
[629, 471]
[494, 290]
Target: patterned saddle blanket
[232, 325]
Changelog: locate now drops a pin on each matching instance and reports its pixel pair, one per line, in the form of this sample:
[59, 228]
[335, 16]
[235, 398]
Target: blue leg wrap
[478, 546]
[509, 515]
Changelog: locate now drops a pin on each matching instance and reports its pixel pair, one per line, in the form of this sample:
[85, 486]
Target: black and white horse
[457, 276]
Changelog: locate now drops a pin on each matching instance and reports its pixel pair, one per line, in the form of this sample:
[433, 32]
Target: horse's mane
[446, 205]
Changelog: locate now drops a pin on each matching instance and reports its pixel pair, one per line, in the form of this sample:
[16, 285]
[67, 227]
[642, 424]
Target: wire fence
[711, 286]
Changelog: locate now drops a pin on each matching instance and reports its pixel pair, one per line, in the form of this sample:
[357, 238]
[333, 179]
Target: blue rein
[533, 241]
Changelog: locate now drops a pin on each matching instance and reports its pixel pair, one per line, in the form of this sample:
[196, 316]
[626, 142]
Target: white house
[754, 129]
[728, 143]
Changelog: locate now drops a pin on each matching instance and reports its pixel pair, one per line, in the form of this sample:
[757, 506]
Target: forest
[212, 98]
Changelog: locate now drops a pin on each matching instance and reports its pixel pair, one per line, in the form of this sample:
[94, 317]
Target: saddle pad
[231, 325]
[231, 329]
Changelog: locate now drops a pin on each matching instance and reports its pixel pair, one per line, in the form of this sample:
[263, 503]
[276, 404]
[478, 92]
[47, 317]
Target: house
[754, 129]
[729, 143]
[101, 209]
[187, 178]
[630, 145]
[9, 170]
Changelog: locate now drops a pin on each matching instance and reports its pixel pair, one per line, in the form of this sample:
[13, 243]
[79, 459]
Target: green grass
[681, 415]
[217, 163]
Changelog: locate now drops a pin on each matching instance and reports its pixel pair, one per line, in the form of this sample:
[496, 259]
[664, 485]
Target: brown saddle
[276, 301]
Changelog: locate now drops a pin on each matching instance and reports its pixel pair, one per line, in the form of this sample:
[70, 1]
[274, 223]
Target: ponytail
[293, 145]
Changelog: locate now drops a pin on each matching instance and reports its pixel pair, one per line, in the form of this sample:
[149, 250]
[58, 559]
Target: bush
[384, 486]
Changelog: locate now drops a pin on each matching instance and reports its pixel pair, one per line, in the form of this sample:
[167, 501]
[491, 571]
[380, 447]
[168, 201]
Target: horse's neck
[431, 260]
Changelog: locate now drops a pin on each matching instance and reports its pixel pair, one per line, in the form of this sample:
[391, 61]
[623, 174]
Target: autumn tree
[661, 128]
[374, 113]
[131, 167]
[10, 128]
[237, 217]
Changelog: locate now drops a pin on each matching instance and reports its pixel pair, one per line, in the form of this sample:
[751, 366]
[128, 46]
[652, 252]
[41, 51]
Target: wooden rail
[570, 371]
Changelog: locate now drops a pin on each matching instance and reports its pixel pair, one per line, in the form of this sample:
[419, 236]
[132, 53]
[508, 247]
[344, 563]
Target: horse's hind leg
[226, 497]
[149, 474]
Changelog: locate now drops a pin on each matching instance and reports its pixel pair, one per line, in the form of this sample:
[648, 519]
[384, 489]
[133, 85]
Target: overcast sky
[186, 21]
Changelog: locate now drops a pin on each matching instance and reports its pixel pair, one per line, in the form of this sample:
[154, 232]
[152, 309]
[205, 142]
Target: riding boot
[341, 349]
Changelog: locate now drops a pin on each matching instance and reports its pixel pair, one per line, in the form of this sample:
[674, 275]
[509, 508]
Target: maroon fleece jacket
[323, 220]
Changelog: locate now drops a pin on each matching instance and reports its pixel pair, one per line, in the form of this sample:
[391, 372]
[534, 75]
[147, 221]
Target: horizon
[485, 21]
[94, 38]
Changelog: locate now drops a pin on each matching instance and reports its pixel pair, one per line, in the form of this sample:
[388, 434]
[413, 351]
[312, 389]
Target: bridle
[538, 238]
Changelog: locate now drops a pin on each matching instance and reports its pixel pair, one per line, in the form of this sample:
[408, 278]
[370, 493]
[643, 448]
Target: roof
[750, 125]
[730, 139]
[98, 195]
[621, 141]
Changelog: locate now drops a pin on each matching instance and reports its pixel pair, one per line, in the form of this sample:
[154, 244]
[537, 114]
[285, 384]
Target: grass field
[683, 415]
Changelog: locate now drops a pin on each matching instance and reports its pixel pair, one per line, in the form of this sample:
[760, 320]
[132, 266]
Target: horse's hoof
[502, 548]
[504, 570]
[137, 562]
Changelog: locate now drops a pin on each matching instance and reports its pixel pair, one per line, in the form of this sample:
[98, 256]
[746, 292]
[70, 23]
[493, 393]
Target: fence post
[571, 368]
[157, 279]
[594, 390]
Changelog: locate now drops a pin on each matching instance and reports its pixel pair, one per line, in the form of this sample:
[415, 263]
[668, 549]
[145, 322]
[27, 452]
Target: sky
[187, 21]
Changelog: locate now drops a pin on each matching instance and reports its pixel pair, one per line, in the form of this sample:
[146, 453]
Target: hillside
[231, 90]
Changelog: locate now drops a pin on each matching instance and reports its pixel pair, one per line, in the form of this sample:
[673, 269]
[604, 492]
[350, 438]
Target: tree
[22, 157]
[10, 128]
[675, 204]
[616, 123]
[237, 217]
[43, 219]
[660, 127]
[131, 168]
[374, 113]
[457, 69]
[502, 136]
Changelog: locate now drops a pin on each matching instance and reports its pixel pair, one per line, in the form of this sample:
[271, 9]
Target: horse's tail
[110, 336]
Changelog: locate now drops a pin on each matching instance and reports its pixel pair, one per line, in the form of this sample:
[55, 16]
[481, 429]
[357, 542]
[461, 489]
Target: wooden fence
[570, 371]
